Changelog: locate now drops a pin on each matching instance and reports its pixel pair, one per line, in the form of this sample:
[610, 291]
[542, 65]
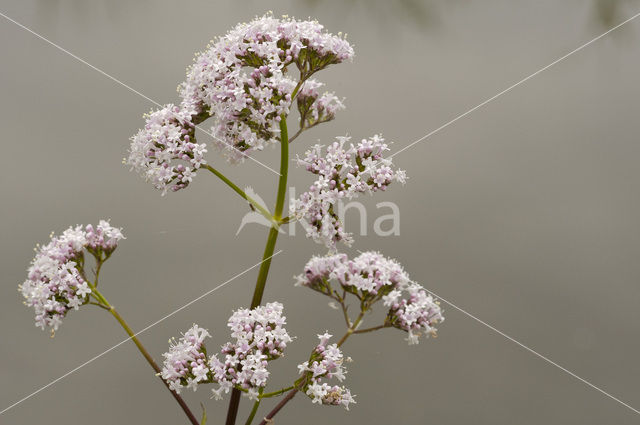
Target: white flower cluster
[259, 336]
[417, 314]
[242, 81]
[165, 151]
[344, 172]
[372, 277]
[55, 282]
[326, 362]
[186, 364]
[103, 239]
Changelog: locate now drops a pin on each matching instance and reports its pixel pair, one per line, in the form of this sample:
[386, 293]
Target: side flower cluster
[371, 277]
[316, 108]
[344, 172]
[186, 364]
[55, 281]
[165, 151]
[326, 362]
[259, 337]
[417, 313]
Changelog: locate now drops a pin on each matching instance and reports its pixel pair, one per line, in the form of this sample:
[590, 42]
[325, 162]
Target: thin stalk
[279, 406]
[234, 402]
[144, 352]
[253, 412]
[375, 328]
[351, 329]
[97, 274]
[242, 193]
[275, 393]
[345, 314]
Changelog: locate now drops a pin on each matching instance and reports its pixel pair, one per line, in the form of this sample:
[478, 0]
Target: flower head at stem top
[244, 83]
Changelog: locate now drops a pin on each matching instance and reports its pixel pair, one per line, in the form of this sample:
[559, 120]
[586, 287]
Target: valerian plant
[246, 84]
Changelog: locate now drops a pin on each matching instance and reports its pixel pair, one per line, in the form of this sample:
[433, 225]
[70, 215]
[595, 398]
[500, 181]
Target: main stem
[145, 353]
[234, 402]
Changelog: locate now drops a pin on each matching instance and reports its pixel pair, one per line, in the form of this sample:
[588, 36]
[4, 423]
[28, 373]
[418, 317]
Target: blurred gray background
[525, 213]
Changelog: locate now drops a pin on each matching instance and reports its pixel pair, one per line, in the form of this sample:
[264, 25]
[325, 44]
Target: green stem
[375, 328]
[98, 267]
[234, 402]
[352, 329]
[275, 393]
[143, 351]
[253, 412]
[273, 233]
[242, 193]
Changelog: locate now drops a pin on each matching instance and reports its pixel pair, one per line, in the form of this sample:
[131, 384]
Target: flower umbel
[371, 277]
[326, 362]
[417, 313]
[344, 172]
[56, 281]
[242, 81]
[259, 336]
[165, 151]
[186, 364]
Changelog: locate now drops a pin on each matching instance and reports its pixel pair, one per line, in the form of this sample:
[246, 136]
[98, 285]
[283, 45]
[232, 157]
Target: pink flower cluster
[165, 151]
[344, 172]
[259, 336]
[55, 282]
[326, 362]
[242, 80]
[417, 313]
[186, 363]
[372, 277]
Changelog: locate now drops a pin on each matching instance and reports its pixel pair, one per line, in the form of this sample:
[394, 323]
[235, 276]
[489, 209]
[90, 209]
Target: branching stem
[103, 303]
